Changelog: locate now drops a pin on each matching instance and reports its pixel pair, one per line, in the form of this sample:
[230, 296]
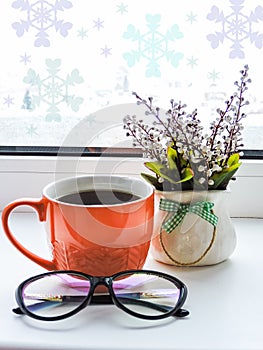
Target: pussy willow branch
[139, 141]
[217, 126]
[191, 148]
[238, 116]
[156, 115]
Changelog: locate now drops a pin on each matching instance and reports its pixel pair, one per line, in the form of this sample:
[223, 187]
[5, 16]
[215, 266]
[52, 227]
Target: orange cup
[98, 239]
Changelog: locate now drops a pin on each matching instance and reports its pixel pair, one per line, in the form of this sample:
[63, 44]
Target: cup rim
[132, 179]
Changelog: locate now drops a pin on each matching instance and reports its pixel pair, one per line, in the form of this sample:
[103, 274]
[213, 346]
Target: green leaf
[171, 156]
[152, 180]
[233, 159]
[154, 166]
[159, 169]
[222, 179]
[169, 174]
[188, 174]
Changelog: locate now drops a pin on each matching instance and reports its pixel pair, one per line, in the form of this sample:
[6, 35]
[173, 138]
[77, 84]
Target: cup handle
[40, 207]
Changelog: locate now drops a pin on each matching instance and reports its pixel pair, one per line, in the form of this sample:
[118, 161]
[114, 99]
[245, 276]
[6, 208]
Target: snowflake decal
[41, 15]
[153, 46]
[53, 90]
[236, 27]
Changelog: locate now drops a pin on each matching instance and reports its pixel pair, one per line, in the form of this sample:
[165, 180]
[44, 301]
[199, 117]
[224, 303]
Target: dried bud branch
[206, 155]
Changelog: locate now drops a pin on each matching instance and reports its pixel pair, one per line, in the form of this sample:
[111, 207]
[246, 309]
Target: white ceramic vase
[194, 241]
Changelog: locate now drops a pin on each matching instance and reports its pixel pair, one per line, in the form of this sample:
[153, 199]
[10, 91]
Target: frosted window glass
[63, 61]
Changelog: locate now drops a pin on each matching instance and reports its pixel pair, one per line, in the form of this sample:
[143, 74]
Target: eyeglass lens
[55, 294]
[61, 293]
[146, 294]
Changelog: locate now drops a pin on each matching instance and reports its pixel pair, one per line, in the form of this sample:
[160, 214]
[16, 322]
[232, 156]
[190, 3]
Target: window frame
[25, 176]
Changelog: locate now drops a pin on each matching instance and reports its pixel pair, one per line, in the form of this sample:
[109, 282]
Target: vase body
[194, 241]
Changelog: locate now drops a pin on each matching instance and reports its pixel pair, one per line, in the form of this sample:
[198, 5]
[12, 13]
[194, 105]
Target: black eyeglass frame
[110, 298]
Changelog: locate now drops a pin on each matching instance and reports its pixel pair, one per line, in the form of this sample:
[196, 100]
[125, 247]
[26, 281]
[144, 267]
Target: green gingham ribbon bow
[202, 209]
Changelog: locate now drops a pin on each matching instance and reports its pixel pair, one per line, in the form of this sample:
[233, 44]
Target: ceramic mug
[99, 239]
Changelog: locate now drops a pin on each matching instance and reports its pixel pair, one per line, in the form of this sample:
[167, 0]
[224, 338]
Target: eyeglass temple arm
[106, 299]
[100, 299]
[46, 301]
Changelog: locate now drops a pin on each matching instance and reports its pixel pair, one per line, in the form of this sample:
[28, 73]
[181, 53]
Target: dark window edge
[69, 151]
[252, 154]
[92, 152]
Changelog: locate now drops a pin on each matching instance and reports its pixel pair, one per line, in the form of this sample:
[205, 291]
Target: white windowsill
[225, 303]
[26, 176]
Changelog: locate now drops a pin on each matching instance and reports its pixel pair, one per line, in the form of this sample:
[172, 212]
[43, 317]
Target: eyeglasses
[146, 294]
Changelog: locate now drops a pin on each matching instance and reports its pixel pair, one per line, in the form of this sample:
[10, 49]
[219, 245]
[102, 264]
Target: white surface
[225, 303]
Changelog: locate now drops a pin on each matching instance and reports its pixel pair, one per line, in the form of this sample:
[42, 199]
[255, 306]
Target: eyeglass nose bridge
[100, 284]
[100, 291]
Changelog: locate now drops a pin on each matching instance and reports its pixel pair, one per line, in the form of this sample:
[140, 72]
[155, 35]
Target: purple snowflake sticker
[236, 27]
[41, 15]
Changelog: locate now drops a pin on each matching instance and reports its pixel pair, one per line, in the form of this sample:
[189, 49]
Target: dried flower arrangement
[181, 154]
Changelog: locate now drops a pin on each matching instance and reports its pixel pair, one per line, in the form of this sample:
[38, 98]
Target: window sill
[218, 301]
[23, 176]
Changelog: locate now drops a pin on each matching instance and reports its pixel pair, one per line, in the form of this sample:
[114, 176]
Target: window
[68, 69]
[68, 65]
